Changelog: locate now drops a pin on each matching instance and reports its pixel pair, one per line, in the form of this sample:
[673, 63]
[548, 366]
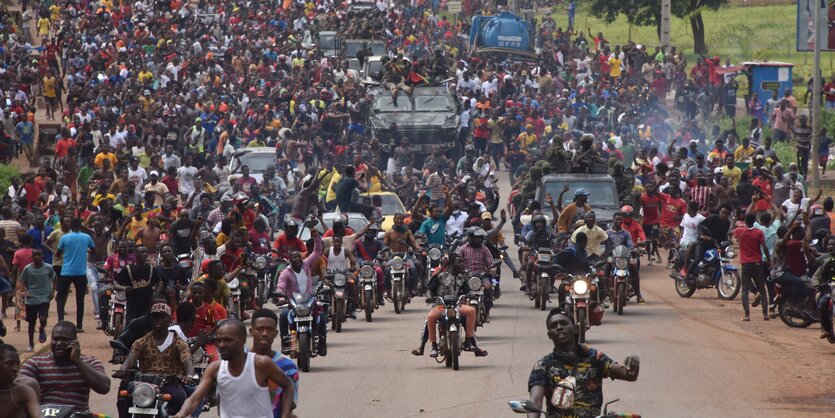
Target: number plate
[143, 411]
[302, 319]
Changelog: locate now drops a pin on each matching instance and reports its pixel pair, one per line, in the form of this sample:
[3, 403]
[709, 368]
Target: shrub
[7, 172]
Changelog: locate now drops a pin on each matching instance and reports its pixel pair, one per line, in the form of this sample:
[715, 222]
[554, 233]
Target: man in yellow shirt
[526, 138]
[50, 95]
[614, 63]
[731, 171]
[745, 151]
[594, 233]
[145, 76]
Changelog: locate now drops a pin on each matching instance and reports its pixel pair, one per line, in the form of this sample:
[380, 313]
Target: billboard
[806, 25]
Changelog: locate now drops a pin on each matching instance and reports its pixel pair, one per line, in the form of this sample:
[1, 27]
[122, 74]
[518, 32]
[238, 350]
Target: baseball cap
[581, 191]
[487, 215]
[153, 173]
[160, 308]
[717, 170]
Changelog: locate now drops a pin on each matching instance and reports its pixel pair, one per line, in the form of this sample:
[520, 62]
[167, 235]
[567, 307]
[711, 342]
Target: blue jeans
[189, 390]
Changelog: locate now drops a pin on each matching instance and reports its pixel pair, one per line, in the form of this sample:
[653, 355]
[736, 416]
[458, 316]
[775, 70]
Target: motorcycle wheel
[728, 286]
[395, 296]
[304, 352]
[621, 291]
[443, 350]
[534, 294]
[369, 305]
[543, 294]
[479, 318]
[262, 295]
[402, 296]
[581, 325]
[683, 289]
[454, 348]
[339, 315]
[118, 320]
[792, 320]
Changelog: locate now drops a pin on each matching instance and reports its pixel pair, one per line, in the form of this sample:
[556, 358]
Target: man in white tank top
[341, 258]
[242, 379]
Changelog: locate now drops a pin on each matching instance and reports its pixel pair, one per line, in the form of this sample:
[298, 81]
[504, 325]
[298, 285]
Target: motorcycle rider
[401, 240]
[454, 274]
[366, 250]
[573, 211]
[172, 360]
[339, 258]
[820, 281]
[296, 278]
[619, 236]
[712, 231]
[289, 240]
[539, 237]
[574, 258]
[478, 260]
[586, 364]
[594, 234]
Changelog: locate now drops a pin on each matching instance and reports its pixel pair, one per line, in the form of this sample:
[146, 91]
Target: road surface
[697, 360]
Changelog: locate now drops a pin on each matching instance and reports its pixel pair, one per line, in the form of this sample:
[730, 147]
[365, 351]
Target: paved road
[697, 359]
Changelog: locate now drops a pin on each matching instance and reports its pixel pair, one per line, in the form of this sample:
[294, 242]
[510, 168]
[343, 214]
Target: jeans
[792, 286]
[93, 284]
[698, 255]
[824, 312]
[752, 273]
[63, 290]
[190, 390]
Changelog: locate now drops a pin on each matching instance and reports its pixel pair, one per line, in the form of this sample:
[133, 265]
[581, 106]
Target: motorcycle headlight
[144, 395]
[260, 262]
[621, 263]
[397, 263]
[435, 254]
[474, 283]
[545, 258]
[609, 259]
[302, 311]
[729, 252]
[186, 264]
[367, 271]
[234, 284]
[339, 280]
[580, 287]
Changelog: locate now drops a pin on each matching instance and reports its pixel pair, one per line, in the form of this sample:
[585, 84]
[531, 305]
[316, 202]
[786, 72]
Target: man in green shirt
[38, 279]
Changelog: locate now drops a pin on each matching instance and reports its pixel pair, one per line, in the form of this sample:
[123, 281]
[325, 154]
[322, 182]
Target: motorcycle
[237, 300]
[476, 298]
[543, 259]
[432, 260]
[113, 319]
[339, 281]
[450, 332]
[146, 396]
[304, 340]
[368, 290]
[715, 270]
[399, 280]
[526, 406]
[579, 295]
[200, 360]
[67, 411]
[186, 262]
[800, 315]
[265, 269]
[620, 284]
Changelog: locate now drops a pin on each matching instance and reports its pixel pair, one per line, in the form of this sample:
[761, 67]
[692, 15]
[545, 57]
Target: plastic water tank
[505, 30]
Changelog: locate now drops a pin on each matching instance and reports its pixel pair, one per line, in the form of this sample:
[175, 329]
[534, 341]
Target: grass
[742, 33]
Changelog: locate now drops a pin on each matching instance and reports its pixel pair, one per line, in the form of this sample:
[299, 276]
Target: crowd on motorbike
[147, 206]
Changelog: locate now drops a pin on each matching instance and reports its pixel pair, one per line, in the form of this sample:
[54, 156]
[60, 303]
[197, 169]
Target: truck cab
[603, 198]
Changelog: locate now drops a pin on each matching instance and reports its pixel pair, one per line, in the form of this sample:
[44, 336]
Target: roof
[746, 65]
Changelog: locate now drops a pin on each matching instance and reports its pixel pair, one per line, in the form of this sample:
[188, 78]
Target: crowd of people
[154, 100]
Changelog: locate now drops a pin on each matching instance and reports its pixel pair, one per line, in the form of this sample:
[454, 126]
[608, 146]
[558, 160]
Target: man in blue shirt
[434, 228]
[25, 133]
[74, 246]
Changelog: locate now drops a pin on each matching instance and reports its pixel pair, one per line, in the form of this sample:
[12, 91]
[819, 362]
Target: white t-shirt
[138, 176]
[690, 224]
[301, 279]
[185, 178]
[791, 207]
[456, 223]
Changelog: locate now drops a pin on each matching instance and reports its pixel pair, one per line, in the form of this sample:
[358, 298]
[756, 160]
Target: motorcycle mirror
[523, 407]
[606, 406]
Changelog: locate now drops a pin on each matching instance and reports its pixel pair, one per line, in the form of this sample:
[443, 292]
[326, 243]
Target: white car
[256, 158]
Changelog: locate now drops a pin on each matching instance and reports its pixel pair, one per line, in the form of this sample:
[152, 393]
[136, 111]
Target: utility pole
[816, 97]
[665, 23]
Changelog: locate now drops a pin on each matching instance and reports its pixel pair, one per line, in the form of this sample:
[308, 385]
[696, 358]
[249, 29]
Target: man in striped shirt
[477, 260]
[64, 374]
[702, 193]
[264, 329]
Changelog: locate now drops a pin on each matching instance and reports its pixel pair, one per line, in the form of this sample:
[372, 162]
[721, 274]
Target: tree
[648, 13]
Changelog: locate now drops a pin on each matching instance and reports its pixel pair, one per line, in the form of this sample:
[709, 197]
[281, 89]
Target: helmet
[290, 222]
[469, 148]
[627, 210]
[476, 232]
[538, 218]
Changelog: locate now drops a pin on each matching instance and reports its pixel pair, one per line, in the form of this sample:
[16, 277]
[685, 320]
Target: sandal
[42, 336]
[417, 352]
[746, 319]
[480, 352]
[433, 353]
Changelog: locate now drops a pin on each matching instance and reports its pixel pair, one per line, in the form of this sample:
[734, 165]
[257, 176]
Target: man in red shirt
[829, 91]
[751, 242]
[64, 144]
[289, 241]
[672, 213]
[651, 202]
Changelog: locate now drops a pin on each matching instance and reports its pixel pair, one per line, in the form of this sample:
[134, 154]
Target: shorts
[730, 111]
[357, 128]
[34, 311]
[667, 234]
[651, 231]
[824, 159]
